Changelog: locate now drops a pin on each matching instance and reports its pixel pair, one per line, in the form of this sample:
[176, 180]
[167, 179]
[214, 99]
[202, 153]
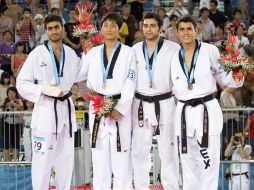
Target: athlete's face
[110, 30]
[151, 29]
[54, 31]
[186, 32]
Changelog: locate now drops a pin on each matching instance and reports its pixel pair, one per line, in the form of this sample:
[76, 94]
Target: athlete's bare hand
[116, 115]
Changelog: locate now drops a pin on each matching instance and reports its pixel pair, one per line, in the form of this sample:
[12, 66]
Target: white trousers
[50, 152]
[141, 157]
[200, 166]
[239, 183]
[107, 161]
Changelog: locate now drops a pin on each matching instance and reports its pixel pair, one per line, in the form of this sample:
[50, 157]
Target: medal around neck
[190, 86]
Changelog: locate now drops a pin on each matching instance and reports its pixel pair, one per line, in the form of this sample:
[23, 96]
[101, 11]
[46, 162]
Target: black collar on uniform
[57, 62]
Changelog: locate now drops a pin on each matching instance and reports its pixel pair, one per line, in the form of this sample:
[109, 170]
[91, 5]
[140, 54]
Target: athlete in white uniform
[240, 172]
[194, 72]
[154, 107]
[46, 79]
[111, 71]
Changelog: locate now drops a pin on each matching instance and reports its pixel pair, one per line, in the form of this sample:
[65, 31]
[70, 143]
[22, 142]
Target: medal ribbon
[149, 70]
[190, 74]
[105, 71]
[56, 73]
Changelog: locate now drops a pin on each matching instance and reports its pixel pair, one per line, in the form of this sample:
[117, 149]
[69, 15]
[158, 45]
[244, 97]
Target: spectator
[18, 58]
[215, 15]
[179, 9]
[12, 123]
[26, 120]
[249, 131]
[164, 18]
[138, 37]
[171, 32]
[32, 4]
[248, 86]
[241, 40]
[123, 33]
[59, 4]
[240, 176]
[5, 84]
[201, 33]
[56, 11]
[237, 20]
[131, 22]
[26, 29]
[137, 8]
[14, 11]
[7, 48]
[41, 10]
[106, 8]
[6, 22]
[40, 27]
[70, 40]
[209, 27]
[219, 35]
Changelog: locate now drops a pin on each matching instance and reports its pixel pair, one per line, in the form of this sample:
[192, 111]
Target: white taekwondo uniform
[106, 156]
[143, 135]
[200, 164]
[240, 173]
[50, 150]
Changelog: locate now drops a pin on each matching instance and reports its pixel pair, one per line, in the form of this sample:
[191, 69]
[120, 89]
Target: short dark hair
[154, 16]
[7, 31]
[54, 9]
[53, 18]
[172, 16]
[185, 19]
[27, 10]
[112, 17]
[203, 9]
[13, 89]
[19, 43]
[215, 2]
[5, 75]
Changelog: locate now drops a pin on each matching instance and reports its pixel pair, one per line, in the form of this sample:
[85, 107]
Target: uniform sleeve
[218, 72]
[83, 65]
[127, 93]
[26, 80]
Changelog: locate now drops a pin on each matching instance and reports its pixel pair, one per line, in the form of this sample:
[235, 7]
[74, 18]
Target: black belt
[245, 173]
[63, 98]
[96, 125]
[156, 99]
[195, 102]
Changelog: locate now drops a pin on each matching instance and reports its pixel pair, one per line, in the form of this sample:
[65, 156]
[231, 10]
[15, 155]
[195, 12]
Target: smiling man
[194, 71]
[46, 79]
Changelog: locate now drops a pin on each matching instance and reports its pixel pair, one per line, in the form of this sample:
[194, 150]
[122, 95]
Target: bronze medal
[190, 86]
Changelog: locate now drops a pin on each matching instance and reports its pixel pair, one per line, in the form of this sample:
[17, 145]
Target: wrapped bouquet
[86, 31]
[233, 61]
[102, 105]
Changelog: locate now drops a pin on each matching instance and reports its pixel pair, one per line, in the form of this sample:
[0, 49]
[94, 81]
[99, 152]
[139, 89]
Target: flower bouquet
[233, 61]
[86, 31]
[102, 105]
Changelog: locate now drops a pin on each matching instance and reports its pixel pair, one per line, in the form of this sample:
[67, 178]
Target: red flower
[236, 54]
[228, 49]
[89, 26]
[82, 26]
[232, 39]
